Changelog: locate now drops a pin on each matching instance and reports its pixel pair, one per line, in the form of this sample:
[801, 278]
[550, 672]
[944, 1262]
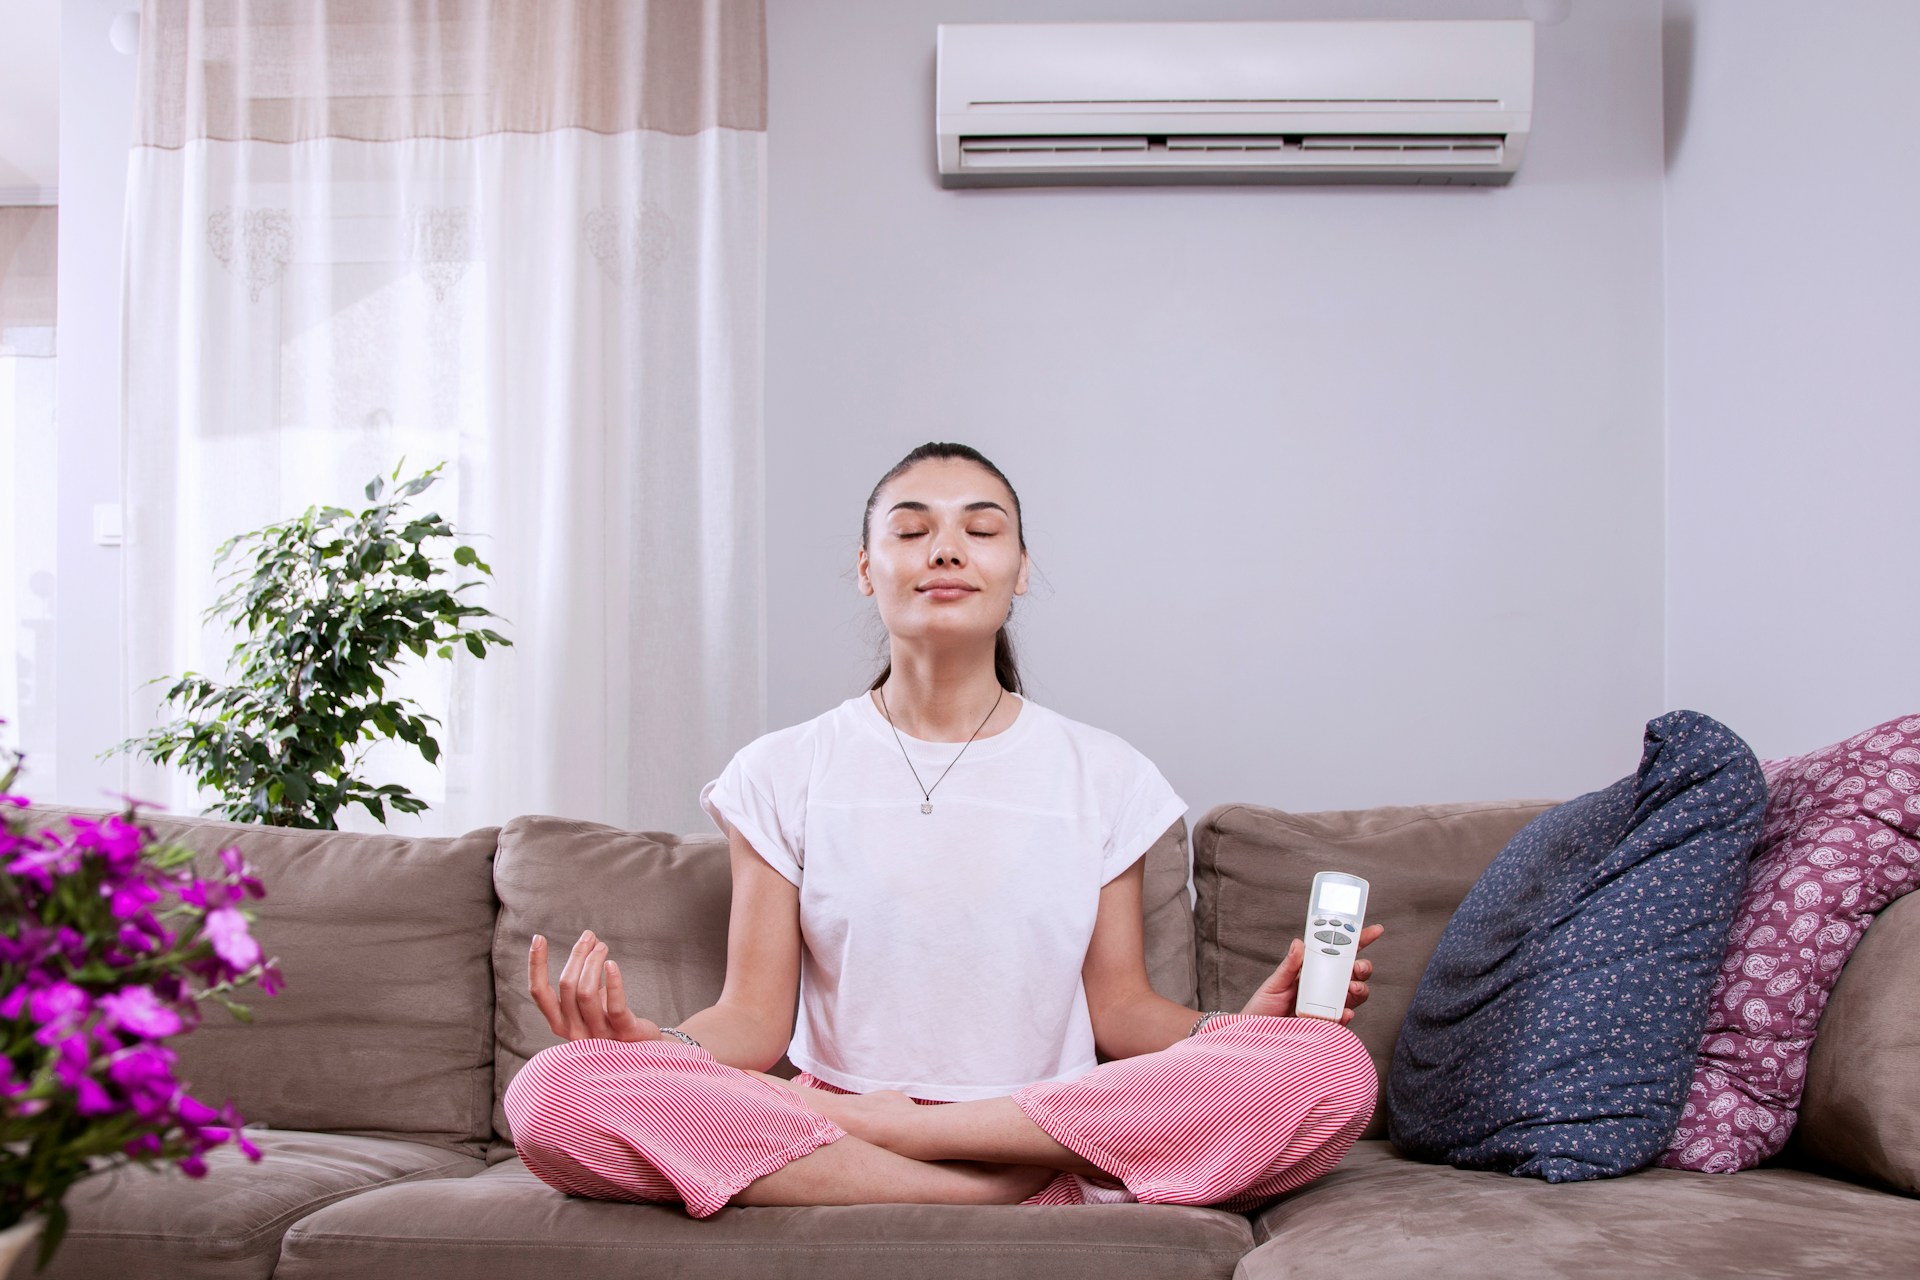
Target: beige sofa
[378, 1074]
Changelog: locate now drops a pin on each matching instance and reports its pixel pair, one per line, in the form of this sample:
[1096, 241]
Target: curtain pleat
[28, 487]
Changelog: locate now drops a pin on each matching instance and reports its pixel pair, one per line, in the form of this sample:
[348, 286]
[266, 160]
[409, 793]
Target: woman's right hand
[592, 1001]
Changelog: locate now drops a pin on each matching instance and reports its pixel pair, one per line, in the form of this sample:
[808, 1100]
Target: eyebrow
[971, 506]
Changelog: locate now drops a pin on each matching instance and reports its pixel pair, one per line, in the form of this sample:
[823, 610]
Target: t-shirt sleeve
[1149, 806]
[769, 810]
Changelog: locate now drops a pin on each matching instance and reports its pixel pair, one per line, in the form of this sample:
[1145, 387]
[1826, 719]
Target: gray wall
[1335, 497]
[1793, 314]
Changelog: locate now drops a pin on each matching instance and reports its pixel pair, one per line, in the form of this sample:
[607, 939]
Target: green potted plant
[328, 605]
[109, 944]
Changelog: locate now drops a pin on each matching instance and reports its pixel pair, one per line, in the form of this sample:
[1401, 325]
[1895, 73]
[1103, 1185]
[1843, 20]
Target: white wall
[1336, 497]
[96, 131]
[1793, 323]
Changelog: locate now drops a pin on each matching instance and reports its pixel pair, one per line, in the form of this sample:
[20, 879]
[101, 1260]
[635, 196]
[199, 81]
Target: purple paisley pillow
[1841, 840]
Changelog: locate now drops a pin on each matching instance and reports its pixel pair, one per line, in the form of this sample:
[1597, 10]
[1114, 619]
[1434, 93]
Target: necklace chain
[926, 792]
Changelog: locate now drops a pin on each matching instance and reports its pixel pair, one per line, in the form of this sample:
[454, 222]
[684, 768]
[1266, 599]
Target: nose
[946, 554]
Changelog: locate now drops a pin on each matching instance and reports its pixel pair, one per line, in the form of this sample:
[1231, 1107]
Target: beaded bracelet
[1201, 1021]
[681, 1036]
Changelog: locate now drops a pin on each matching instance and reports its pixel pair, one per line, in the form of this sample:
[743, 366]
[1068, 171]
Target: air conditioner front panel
[1169, 82]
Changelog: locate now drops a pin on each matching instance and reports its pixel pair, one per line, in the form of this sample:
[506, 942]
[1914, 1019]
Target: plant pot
[17, 1244]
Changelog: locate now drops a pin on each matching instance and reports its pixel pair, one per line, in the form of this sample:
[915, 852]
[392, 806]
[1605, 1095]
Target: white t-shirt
[943, 950]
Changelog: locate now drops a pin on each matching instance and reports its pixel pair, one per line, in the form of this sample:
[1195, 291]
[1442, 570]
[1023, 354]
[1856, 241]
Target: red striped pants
[1247, 1110]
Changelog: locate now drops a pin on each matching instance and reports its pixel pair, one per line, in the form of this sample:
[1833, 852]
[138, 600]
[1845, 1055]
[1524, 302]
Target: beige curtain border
[389, 70]
[29, 240]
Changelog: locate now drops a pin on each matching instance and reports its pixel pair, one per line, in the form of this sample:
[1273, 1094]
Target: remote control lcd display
[1343, 899]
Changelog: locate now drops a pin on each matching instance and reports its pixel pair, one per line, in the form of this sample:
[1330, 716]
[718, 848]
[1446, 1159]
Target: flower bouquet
[108, 944]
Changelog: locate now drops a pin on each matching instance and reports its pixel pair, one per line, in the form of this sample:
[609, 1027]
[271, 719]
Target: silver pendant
[926, 806]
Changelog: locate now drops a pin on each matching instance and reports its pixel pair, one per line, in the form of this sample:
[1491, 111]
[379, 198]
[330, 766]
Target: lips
[947, 589]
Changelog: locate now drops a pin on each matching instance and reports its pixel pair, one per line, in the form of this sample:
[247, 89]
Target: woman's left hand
[1275, 997]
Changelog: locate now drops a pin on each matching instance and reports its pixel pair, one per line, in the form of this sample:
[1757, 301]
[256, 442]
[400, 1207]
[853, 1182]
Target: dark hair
[1005, 669]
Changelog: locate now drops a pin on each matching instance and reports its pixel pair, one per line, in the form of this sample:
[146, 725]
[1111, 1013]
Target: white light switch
[106, 524]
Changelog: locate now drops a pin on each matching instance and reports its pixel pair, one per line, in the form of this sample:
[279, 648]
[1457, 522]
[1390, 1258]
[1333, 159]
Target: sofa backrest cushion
[1253, 868]
[1861, 1109]
[660, 903]
[385, 1028]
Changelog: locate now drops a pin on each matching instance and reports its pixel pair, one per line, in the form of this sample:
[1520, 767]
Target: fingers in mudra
[591, 1001]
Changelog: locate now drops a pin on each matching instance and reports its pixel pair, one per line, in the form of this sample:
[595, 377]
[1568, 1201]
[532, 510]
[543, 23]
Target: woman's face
[943, 557]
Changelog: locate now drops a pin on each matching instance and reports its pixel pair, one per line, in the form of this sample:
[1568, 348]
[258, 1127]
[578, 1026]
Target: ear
[860, 567]
[1020, 583]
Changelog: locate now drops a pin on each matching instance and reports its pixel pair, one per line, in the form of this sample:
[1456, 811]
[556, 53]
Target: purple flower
[114, 837]
[73, 1060]
[145, 1075]
[234, 1134]
[242, 874]
[91, 1100]
[227, 930]
[25, 950]
[272, 981]
[40, 863]
[195, 1114]
[57, 1007]
[129, 897]
[209, 895]
[193, 1166]
[140, 1011]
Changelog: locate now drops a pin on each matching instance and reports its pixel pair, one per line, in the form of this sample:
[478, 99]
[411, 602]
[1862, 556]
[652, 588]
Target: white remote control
[1336, 912]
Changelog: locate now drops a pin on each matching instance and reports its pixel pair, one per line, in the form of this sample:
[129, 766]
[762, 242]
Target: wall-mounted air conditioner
[1045, 104]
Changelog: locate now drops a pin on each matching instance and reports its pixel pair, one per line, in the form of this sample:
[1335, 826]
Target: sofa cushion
[1253, 868]
[133, 1222]
[1381, 1213]
[506, 1222]
[1861, 1109]
[1841, 841]
[660, 903]
[385, 1027]
[1553, 1033]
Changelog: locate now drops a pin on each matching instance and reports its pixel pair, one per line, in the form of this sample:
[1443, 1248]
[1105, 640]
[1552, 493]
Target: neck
[944, 697]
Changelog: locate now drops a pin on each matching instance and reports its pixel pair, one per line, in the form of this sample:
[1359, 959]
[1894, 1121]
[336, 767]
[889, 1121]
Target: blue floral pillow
[1554, 1031]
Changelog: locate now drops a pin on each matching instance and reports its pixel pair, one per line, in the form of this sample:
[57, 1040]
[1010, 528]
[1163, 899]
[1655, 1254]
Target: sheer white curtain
[28, 488]
[524, 237]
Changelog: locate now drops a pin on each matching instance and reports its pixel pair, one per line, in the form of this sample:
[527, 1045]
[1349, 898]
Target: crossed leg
[1250, 1109]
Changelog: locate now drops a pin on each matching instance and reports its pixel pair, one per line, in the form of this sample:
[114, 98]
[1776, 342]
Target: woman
[946, 879]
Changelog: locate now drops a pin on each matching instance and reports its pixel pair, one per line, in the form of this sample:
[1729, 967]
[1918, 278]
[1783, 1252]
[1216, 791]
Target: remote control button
[1328, 935]
[1341, 939]
[1331, 951]
[1318, 923]
[1349, 928]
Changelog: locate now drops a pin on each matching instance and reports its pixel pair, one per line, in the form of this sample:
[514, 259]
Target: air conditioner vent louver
[1047, 103]
[1176, 153]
